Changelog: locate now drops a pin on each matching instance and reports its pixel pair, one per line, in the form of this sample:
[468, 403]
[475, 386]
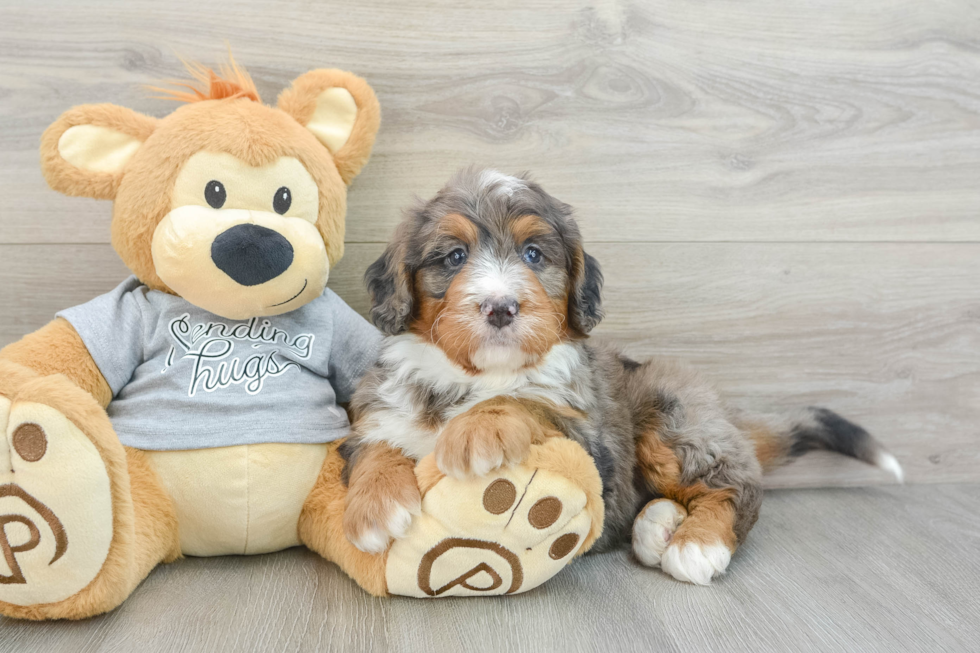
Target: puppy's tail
[779, 439]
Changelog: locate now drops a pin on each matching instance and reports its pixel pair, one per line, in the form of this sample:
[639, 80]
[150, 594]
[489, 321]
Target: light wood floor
[878, 569]
[786, 193]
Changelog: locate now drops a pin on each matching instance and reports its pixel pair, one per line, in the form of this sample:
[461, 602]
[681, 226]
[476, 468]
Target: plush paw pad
[696, 563]
[503, 534]
[653, 529]
[55, 506]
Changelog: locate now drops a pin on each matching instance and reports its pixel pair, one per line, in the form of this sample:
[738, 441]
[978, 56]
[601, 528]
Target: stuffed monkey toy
[195, 409]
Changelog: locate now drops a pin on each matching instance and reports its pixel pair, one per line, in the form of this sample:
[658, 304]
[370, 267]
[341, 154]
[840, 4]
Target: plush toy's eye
[532, 255]
[215, 194]
[282, 200]
[456, 257]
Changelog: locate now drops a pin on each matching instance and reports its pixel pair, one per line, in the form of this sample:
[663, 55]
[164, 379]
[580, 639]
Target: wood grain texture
[883, 569]
[660, 120]
[784, 193]
[887, 334]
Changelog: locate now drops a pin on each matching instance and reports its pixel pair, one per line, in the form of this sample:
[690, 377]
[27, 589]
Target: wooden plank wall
[784, 192]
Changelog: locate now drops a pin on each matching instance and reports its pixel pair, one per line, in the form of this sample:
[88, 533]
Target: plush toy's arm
[56, 348]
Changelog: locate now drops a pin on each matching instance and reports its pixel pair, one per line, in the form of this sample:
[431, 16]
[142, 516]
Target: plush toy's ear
[86, 150]
[342, 112]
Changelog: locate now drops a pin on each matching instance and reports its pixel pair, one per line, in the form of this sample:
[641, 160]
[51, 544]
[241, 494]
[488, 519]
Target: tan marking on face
[527, 227]
[441, 320]
[545, 319]
[455, 324]
[711, 511]
[447, 322]
[458, 227]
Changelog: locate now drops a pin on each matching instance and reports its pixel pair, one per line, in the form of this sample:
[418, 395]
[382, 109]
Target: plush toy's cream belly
[239, 500]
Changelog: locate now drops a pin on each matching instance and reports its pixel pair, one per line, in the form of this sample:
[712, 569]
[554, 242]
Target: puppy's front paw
[483, 439]
[380, 508]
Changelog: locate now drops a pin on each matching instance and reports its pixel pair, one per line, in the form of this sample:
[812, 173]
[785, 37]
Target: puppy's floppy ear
[342, 112]
[85, 151]
[390, 287]
[585, 300]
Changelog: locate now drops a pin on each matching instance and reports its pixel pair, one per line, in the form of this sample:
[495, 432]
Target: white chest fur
[414, 364]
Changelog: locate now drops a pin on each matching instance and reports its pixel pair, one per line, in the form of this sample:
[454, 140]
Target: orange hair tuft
[230, 82]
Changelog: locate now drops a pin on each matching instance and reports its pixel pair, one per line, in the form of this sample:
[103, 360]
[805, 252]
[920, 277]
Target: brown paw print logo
[30, 443]
[499, 562]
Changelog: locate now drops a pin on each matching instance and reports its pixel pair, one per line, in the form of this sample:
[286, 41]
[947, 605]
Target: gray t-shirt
[183, 378]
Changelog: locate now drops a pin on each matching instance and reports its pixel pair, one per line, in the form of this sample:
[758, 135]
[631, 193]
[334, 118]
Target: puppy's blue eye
[532, 255]
[456, 257]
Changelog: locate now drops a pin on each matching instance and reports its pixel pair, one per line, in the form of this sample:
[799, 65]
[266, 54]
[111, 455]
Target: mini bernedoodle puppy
[487, 298]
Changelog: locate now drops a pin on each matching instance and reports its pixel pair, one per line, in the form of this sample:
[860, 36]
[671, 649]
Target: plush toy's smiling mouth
[305, 283]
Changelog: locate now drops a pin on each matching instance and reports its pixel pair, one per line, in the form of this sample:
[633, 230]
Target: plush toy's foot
[66, 513]
[503, 533]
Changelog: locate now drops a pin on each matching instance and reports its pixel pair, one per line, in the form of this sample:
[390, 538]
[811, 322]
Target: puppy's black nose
[500, 312]
[251, 254]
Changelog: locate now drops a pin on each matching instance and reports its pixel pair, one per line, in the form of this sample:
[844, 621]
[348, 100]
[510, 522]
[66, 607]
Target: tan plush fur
[427, 474]
[142, 520]
[56, 348]
[252, 132]
[565, 457]
[558, 455]
[321, 528]
[53, 367]
[66, 178]
[300, 101]
[255, 133]
[157, 530]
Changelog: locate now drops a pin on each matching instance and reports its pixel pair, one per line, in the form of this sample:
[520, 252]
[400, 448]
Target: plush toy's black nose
[251, 254]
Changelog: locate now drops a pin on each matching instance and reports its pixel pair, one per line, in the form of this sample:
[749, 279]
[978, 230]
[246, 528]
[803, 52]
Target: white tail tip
[887, 462]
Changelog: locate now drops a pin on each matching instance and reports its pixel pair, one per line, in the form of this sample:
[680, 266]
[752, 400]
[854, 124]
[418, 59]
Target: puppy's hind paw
[696, 563]
[653, 529]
